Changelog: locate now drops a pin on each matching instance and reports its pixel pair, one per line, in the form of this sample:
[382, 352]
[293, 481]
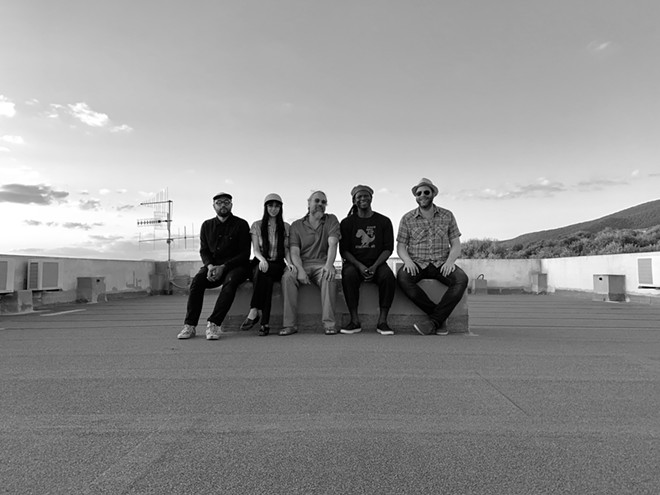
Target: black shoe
[264, 330]
[384, 329]
[425, 327]
[351, 328]
[249, 323]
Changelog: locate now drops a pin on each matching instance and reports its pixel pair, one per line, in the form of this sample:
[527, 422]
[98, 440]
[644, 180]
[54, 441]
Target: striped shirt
[272, 238]
[428, 241]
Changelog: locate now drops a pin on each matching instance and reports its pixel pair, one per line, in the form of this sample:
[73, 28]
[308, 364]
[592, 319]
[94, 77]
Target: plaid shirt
[428, 241]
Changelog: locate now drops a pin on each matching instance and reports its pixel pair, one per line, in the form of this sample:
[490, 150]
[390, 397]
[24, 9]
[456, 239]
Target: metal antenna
[162, 217]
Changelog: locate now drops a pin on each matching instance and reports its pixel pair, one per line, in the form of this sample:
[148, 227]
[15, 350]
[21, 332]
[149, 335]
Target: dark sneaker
[351, 328]
[442, 330]
[264, 330]
[425, 327]
[384, 329]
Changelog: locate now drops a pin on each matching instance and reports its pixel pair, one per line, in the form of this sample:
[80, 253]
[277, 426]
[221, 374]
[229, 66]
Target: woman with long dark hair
[270, 243]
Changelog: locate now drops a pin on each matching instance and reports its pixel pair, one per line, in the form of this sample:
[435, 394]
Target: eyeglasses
[425, 192]
[223, 202]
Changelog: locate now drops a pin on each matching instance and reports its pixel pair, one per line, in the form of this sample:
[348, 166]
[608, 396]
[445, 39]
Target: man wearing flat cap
[367, 241]
[428, 243]
[225, 250]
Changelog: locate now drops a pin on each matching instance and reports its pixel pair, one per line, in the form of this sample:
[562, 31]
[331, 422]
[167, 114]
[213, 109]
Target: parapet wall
[564, 275]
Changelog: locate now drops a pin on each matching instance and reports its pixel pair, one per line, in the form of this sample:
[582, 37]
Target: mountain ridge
[642, 216]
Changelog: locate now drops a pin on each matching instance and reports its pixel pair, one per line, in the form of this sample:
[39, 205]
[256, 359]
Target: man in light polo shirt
[428, 243]
[313, 242]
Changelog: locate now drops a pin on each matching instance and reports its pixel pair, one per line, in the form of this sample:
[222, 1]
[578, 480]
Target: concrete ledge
[19, 301]
[403, 313]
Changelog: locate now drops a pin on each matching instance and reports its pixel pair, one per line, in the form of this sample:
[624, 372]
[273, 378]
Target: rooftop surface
[548, 395]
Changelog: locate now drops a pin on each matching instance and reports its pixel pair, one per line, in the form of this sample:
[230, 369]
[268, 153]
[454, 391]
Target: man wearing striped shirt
[428, 243]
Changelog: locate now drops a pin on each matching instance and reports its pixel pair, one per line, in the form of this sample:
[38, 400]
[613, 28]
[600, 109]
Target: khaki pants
[290, 284]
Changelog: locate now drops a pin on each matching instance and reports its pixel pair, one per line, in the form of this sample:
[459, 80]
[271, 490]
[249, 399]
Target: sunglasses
[322, 201]
[425, 192]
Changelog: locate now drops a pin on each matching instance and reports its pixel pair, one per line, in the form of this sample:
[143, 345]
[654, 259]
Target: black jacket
[225, 243]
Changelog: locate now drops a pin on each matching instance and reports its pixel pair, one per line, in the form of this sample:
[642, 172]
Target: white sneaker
[187, 332]
[212, 331]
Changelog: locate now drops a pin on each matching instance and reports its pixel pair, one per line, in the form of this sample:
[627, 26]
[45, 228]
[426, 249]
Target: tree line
[607, 241]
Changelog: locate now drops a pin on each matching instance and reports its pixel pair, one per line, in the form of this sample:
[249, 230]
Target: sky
[528, 115]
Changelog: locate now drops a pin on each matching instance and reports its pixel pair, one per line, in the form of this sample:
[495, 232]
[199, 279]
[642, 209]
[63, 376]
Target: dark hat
[222, 195]
[273, 197]
[425, 182]
[359, 188]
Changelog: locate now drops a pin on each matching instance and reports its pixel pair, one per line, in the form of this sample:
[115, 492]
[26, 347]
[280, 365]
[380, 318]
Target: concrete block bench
[19, 301]
[403, 313]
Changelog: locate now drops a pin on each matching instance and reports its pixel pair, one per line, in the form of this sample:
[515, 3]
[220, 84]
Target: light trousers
[290, 286]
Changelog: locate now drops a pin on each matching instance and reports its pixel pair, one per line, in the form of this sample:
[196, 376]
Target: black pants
[456, 283]
[230, 281]
[351, 280]
[263, 287]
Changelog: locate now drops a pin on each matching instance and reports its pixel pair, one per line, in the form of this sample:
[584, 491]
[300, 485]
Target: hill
[633, 230]
[642, 216]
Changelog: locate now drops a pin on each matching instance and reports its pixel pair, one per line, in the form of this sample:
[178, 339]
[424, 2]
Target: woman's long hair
[279, 231]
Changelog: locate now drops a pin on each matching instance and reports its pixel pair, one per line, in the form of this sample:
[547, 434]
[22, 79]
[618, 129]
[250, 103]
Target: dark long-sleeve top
[225, 243]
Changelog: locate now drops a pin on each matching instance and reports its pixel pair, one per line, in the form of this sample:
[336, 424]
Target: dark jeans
[351, 280]
[456, 283]
[230, 281]
[263, 288]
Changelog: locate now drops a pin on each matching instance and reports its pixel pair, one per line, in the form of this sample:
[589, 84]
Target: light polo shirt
[428, 241]
[313, 243]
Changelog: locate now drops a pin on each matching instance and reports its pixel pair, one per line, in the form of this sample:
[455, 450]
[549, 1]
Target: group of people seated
[428, 243]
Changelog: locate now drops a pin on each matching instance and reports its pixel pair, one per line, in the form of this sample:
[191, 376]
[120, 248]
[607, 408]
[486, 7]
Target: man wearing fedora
[428, 243]
[367, 241]
[225, 250]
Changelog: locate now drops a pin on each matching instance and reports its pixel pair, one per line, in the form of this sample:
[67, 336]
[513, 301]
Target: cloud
[86, 115]
[7, 107]
[600, 184]
[106, 238]
[4, 148]
[599, 46]
[12, 139]
[54, 110]
[542, 187]
[89, 204]
[30, 194]
[83, 113]
[121, 128]
[81, 226]
[32, 223]
[104, 191]
[126, 207]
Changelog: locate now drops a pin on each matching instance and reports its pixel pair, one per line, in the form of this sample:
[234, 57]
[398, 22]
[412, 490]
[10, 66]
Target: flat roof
[548, 394]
